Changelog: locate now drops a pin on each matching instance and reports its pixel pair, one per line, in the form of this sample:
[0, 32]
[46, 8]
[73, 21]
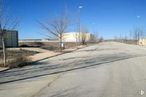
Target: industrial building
[142, 42]
[76, 37]
[11, 38]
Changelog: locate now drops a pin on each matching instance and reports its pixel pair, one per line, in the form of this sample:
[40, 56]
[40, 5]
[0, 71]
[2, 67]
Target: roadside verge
[45, 55]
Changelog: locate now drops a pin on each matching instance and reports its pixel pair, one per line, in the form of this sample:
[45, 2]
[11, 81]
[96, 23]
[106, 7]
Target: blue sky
[107, 17]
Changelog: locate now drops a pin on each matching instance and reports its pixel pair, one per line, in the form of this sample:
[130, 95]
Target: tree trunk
[61, 42]
[4, 51]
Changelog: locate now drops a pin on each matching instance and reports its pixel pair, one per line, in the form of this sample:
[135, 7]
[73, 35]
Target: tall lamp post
[139, 28]
[79, 22]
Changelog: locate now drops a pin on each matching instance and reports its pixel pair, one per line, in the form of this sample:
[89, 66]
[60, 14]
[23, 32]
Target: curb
[4, 70]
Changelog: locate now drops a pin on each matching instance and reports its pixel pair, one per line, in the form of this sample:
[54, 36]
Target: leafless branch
[56, 27]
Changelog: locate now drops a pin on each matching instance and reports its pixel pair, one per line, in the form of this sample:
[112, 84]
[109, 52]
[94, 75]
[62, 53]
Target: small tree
[6, 23]
[2, 32]
[93, 38]
[76, 35]
[83, 36]
[101, 39]
[57, 28]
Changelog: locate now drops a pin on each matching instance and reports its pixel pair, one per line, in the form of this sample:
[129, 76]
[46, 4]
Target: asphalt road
[108, 69]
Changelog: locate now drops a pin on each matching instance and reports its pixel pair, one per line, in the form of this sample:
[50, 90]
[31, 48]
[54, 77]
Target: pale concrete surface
[26, 88]
[118, 79]
[3, 69]
[44, 55]
[109, 69]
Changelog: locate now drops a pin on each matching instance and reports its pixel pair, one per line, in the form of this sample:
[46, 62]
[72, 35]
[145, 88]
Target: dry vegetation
[53, 46]
[16, 58]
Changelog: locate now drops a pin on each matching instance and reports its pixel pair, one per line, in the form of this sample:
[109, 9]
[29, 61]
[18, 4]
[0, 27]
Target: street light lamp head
[138, 17]
[80, 7]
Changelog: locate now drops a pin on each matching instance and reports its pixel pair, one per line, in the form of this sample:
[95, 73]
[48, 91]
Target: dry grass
[52, 46]
[16, 58]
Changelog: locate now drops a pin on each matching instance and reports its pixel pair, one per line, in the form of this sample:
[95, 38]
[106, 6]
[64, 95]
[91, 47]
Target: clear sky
[107, 17]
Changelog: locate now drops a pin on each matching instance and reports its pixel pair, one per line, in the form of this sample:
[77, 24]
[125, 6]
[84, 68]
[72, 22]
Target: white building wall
[74, 37]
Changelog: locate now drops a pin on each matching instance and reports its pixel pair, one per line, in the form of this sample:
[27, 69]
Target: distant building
[11, 38]
[142, 42]
[76, 37]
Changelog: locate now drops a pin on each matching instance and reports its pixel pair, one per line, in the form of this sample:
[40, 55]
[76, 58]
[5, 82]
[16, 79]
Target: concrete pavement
[117, 79]
[106, 70]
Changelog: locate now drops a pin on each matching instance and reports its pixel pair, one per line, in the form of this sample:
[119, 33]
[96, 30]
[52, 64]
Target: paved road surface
[108, 69]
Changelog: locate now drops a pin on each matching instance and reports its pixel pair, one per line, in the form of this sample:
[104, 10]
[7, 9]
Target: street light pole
[79, 21]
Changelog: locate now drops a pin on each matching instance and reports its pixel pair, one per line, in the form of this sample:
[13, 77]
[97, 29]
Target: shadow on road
[62, 69]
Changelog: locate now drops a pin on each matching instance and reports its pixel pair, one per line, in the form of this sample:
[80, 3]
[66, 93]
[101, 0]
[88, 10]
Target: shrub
[24, 45]
[16, 62]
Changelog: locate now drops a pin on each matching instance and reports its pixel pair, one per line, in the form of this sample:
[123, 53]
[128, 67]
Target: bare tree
[84, 35]
[56, 28]
[6, 23]
[93, 38]
[137, 33]
[76, 35]
[101, 39]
